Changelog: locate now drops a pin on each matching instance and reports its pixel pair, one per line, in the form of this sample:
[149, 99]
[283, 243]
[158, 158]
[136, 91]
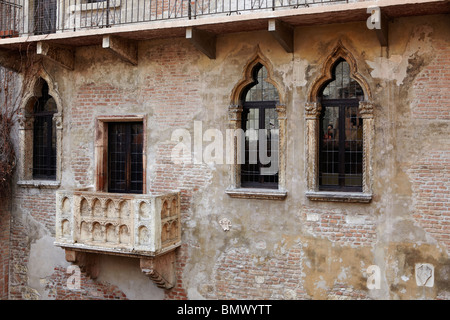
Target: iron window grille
[44, 137]
[259, 121]
[44, 16]
[341, 136]
[125, 157]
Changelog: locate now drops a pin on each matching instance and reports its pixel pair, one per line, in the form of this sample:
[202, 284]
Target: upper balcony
[86, 22]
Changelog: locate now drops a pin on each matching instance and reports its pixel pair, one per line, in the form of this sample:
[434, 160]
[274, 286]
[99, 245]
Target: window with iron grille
[125, 157]
[341, 133]
[44, 136]
[260, 121]
[44, 16]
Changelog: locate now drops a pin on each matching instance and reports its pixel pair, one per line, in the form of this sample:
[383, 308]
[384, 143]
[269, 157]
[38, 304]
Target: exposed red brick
[430, 178]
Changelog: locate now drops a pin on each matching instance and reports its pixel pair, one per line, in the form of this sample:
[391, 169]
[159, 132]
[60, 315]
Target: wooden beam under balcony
[125, 49]
[62, 55]
[203, 40]
[283, 33]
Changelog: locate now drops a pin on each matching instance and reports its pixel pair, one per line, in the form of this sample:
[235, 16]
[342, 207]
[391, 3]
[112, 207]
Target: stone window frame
[26, 136]
[101, 149]
[235, 122]
[313, 110]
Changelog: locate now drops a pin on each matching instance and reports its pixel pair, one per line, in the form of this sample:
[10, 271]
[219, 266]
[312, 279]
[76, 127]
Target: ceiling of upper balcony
[221, 24]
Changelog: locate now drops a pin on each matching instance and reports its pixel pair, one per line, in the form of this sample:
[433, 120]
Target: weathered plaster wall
[4, 248]
[290, 249]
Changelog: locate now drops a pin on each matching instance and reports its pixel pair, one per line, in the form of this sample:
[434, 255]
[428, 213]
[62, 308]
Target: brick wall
[57, 288]
[242, 274]
[36, 210]
[92, 100]
[431, 88]
[430, 178]
[173, 89]
[179, 292]
[340, 227]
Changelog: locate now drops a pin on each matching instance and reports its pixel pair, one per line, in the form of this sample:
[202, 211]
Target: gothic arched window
[260, 124]
[44, 136]
[341, 132]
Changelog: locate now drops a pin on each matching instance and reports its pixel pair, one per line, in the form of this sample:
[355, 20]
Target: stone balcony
[142, 226]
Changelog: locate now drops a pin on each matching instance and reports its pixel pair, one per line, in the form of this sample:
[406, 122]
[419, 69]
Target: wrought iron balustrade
[30, 17]
[10, 17]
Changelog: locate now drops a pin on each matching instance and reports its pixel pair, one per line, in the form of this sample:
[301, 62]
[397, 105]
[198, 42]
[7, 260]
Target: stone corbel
[124, 48]
[10, 59]
[204, 41]
[383, 31]
[88, 262]
[62, 55]
[283, 33]
[160, 269]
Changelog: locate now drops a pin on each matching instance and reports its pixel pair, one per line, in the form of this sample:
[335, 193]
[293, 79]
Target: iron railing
[29, 17]
[10, 18]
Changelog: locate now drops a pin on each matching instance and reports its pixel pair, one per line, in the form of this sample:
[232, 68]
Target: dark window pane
[260, 124]
[125, 157]
[342, 86]
[341, 146]
[329, 150]
[353, 147]
[260, 89]
[44, 136]
[341, 136]
[44, 16]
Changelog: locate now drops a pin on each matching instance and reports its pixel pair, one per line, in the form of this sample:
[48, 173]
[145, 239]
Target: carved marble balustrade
[134, 225]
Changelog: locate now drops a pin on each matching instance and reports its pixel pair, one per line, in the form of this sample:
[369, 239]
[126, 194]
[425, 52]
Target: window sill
[339, 196]
[250, 193]
[44, 184]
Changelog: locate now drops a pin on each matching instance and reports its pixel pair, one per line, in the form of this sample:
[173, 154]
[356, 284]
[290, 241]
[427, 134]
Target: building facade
[193, 150]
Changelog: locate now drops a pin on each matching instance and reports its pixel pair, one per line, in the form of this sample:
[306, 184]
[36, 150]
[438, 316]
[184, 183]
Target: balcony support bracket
[383, 30]
[203, 41]
[125, 49]
[10, 60]
[283, 33]
[64, 56]
[160, 269]
[88, 262]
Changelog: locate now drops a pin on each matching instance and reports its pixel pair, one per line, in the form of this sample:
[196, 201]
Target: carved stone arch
[247, 78]
[313, 111]
[34, 90]
[25, 121]
[235, 124]
[338, 53]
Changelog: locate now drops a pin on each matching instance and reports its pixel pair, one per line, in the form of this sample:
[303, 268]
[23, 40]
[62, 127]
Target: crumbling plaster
[264, 229]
